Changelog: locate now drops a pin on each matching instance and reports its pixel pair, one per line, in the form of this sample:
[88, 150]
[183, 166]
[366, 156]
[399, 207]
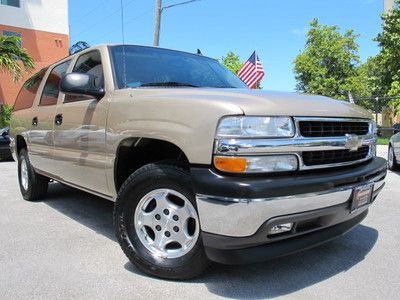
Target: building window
[14, 3]
[11, 33]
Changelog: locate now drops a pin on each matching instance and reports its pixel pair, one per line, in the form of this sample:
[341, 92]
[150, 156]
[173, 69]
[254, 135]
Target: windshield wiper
[169, 83]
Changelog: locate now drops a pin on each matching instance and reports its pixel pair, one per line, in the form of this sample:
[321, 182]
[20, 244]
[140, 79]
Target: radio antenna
[123, 42]
[122, 22]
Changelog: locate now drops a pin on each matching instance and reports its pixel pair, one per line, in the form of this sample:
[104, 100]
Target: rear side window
[88, 63]
[27, 95]
[51, 88]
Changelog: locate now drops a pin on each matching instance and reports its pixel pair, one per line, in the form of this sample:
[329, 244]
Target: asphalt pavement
[64, 248]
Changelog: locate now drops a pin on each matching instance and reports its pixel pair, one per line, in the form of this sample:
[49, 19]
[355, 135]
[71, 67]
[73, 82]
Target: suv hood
[254, 102]
[260, 102]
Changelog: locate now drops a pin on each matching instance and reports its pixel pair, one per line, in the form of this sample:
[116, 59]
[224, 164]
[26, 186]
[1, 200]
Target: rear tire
[33, 186]
[144, 216]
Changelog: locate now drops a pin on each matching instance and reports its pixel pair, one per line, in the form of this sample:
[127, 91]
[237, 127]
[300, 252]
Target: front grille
[313, 158]
[332, 128]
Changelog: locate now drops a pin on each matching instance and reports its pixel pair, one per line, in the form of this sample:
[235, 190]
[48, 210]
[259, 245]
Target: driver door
[79, 133]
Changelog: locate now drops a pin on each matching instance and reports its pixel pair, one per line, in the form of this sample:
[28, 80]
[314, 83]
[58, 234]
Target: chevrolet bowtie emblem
[353, 142]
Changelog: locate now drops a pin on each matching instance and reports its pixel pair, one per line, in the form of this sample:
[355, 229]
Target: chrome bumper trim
[243, 217]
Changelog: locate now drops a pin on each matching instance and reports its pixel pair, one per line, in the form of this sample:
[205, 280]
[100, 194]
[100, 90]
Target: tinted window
[10, 2]
[26, 96]
[144, 66]
[88, 63]
[51, 88]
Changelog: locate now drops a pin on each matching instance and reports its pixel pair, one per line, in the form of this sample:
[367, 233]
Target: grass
[383, 141]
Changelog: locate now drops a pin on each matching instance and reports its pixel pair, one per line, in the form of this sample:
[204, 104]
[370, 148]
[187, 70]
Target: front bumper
[236, 213]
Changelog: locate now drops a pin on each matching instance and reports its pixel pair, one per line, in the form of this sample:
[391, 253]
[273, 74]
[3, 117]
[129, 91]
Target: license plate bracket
[362, 196]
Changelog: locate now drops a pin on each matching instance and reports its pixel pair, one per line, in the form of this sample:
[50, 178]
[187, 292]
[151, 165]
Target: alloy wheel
[24, 174]
[166, 223]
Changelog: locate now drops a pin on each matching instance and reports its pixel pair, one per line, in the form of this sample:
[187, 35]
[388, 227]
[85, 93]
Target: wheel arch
[135, 152]
[20, 143]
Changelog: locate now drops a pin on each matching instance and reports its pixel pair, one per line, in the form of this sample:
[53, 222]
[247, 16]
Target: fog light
[281, 228]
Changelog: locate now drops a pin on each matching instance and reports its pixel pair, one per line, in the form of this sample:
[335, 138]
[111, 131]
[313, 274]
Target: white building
[43, 28]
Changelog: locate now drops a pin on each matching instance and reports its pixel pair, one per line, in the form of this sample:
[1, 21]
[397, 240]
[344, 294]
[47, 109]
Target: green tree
[5, 115]
[232, 62]
[387, 73]
[395, 91]
[13, 57]
[329, 65]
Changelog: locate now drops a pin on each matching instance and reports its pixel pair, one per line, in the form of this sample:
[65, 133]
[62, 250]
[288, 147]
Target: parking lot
[64, 247]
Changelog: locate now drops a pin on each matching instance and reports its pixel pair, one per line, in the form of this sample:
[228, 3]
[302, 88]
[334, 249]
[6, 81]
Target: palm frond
[12, 56]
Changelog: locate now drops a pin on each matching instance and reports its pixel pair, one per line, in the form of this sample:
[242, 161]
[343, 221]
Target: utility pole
[157, 23]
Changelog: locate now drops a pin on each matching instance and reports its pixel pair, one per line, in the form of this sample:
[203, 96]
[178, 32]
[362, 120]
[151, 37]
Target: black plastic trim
[284, 247]
[326, 217]
[208, 181]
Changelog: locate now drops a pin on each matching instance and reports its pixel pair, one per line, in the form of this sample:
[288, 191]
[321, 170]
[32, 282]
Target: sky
[276, 29]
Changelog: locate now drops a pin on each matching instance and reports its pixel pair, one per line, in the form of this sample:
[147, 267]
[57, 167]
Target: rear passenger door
[80, 151]
[41, 134]
[24, 109]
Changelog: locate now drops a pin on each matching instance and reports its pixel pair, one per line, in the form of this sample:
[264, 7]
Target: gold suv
[200, 167]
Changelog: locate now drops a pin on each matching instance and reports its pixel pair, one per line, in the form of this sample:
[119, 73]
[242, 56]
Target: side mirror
[80, 84]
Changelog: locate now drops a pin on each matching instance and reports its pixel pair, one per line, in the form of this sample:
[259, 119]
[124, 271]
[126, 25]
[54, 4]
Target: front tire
[157, 225]
[392, 162]
[33, 186]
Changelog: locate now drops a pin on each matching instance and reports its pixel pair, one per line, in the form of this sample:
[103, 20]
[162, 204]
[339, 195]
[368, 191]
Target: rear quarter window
[27, 94]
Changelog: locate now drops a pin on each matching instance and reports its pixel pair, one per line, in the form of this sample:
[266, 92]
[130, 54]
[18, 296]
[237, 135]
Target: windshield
[138, 66]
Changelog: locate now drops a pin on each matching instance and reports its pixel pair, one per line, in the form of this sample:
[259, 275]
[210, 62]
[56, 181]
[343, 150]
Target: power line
[178, 4]
[104, 18]
[92, 10]
[142, 14]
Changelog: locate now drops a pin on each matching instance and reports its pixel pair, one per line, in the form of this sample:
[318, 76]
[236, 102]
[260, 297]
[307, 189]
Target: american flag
[252, 71]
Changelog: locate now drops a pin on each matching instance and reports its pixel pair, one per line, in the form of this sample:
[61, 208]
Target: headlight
[255, 127]
[256, 164]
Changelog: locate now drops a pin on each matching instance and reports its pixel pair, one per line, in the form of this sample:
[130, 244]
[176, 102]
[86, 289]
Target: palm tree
[13, 57]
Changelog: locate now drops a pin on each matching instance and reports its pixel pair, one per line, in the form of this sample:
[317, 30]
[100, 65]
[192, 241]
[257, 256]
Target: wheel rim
[166, 223]
[391, 157]
[24, 174]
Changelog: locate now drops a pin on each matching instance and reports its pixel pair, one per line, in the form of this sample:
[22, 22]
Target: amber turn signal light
[230, 164]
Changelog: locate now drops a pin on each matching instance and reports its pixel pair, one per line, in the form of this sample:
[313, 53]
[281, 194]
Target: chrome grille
[332, 128]
[319, 143]
[313, 158]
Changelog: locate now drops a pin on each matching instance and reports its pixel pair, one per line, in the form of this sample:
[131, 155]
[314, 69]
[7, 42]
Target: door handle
[58, 119]
[35, 121]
